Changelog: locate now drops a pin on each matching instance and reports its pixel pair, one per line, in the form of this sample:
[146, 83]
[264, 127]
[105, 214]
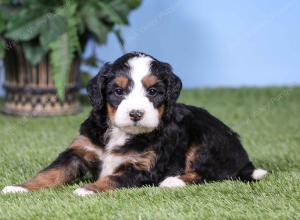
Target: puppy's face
[136, 92]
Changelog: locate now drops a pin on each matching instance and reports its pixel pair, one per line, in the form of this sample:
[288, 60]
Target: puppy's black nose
[136, 115]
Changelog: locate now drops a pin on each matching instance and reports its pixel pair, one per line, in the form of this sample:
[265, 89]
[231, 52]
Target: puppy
[136, 135]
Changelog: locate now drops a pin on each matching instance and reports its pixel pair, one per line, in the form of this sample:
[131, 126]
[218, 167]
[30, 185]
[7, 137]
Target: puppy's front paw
[83, 192]
[172, 181]
[14, 189]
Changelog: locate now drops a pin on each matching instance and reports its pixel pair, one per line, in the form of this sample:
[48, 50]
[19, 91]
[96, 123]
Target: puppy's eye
[119, 92]
[152, 92]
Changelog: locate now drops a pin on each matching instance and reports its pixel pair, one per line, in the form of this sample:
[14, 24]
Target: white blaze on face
[137, 100]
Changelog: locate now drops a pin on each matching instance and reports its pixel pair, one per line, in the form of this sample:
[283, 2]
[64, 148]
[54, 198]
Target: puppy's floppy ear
[95, 88]
[174, 84]
[174, 88]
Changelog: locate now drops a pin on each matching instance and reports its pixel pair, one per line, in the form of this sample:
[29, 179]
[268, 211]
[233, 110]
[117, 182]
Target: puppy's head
[136, 91]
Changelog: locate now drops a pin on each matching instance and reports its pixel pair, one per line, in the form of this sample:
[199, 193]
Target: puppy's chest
[110, 162]
[112, 158]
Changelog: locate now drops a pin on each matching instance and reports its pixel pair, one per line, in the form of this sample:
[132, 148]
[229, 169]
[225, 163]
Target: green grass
[268, 121]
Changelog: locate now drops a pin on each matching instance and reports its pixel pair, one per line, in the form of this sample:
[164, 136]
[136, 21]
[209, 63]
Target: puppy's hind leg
[67, 167]
[70, 165]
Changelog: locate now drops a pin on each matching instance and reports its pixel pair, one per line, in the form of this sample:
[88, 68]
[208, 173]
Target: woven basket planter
[30, 90]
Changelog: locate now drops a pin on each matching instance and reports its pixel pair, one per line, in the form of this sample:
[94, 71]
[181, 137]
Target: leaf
[33, 52]
[120, 39]
[123, 7]
[110, 13]
[132, 4]
[56, 26]
[2, 48]
[96, 27]
[29, 30]
[91, 61]
[8, 11]
[63, 49]
[2, 24]
[60, 61]
[84, 78]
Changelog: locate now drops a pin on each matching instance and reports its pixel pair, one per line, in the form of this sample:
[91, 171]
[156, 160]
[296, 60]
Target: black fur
[74, 166]
[220, 154]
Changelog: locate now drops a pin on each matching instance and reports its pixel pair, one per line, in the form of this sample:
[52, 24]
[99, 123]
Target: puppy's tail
[250, 173]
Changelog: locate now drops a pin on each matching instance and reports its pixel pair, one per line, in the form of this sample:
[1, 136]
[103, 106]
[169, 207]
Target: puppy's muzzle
[136, 115]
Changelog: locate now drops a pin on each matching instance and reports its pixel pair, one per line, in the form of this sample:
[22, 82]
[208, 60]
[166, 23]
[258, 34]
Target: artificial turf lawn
[268, 121]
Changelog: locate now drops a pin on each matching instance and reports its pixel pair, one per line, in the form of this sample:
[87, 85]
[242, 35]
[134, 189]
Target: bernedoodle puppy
[136, 135]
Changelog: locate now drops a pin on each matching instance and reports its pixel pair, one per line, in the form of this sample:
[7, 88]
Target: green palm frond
[2, 24]
[2, 41]
[2, 47]
[63, 49]
[25, 27]
[56, 26]
[110, 12]
[33, 52]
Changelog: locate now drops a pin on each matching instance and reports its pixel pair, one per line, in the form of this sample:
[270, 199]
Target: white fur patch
[110, 162]
[116, 137]
[83, 192]
[137, 100]
[14, 189]
[172, 181]
[259, 174]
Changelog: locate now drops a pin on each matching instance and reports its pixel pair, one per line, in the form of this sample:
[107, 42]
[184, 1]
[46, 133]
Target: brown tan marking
[149, 80]
[190, 158]
[122, 81]
[83, 147]
[81, 141]
[47, 179]
[102, 185]
[161, 110]
[140, 161]
[144, 161]
[190, 178]
[111, 111]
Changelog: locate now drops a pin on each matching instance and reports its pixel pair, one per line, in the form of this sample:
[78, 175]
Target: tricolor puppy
[138, 135]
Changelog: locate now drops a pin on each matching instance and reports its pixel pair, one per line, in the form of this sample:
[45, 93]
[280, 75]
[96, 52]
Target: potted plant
[41, 43]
